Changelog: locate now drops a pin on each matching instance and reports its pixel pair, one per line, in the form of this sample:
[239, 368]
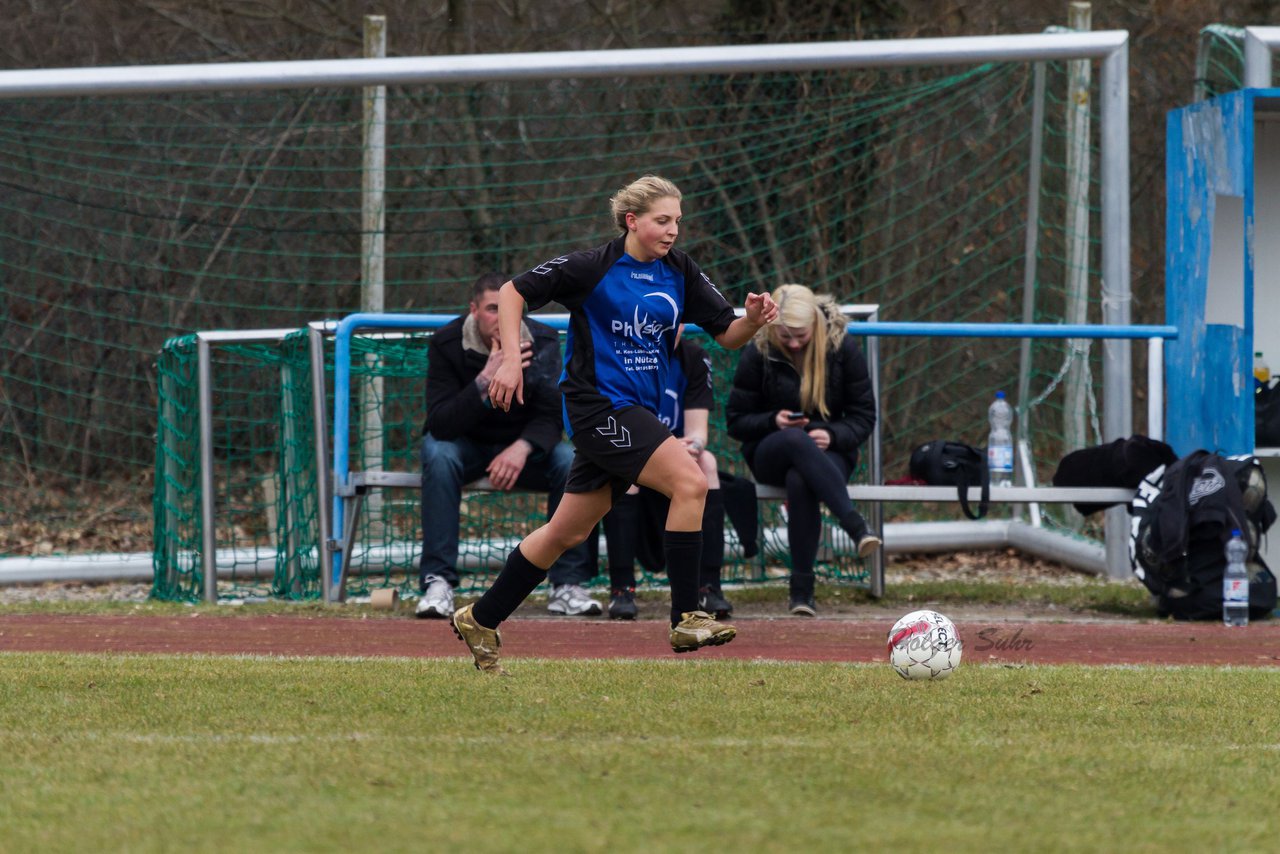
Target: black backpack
[944, 463]
[1182, 516]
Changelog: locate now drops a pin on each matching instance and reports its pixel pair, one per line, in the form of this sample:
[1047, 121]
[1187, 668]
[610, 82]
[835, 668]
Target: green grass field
[180, 753]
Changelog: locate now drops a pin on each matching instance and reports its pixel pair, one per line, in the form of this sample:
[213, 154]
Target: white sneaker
[436, 602]
[572, 601]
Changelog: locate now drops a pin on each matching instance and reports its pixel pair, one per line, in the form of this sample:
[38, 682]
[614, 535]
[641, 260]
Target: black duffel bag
[945, 463]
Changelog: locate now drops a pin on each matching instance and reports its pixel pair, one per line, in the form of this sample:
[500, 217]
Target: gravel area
[73, 591]
[993, 567]
[998, 567]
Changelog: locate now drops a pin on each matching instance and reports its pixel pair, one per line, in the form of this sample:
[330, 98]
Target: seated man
[466, 438]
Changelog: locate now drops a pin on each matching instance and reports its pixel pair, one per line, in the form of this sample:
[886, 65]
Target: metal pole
[1116, 364]
[1258, 42]
[373, 219]
[1155, 388]
[544, 65]
[171, 517]
[288, 489]
[1201, 90]
[324, 474]
[208, 538]
[1029, 268]
[373, 237]
[1075, 407]
[877, 463]
[1118, 409]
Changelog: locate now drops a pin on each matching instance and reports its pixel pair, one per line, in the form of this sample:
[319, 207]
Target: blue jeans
[447, 466]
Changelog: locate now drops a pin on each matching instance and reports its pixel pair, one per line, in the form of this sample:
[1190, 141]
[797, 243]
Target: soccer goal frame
[1108, 48]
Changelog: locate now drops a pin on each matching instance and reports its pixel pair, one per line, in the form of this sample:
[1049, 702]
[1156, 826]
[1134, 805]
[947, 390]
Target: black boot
[802, 596]
[856, 527]
[710, 597]
[622, 604]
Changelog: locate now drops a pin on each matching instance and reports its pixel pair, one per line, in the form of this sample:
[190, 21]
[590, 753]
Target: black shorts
[613, 448]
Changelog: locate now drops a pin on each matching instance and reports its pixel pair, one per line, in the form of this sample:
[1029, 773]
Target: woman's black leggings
[790, 459]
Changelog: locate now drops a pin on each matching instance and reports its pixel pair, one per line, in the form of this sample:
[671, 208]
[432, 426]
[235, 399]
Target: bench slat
[999, 494]
[858, 492]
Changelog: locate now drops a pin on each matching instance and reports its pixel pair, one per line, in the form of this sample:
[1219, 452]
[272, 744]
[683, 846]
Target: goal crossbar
[634, 62]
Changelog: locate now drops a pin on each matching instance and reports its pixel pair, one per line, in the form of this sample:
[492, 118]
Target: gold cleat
[483, 643]
[697, 629]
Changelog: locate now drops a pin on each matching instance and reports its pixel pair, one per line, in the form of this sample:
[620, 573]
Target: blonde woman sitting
[802, 405]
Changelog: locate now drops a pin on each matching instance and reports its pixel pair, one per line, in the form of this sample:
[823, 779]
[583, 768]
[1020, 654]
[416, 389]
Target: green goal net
[268, 533]
[129, 221]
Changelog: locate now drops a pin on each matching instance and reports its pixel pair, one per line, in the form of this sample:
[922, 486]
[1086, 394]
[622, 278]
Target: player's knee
[690, 487]
[565, 538]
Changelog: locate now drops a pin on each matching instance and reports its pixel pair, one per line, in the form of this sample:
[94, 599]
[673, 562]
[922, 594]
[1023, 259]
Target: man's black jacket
[456, 407]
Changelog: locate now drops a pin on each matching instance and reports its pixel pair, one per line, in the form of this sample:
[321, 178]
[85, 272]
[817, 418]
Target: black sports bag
[945, 463]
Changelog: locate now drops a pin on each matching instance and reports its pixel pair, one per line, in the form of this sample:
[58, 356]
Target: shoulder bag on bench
[944, 463]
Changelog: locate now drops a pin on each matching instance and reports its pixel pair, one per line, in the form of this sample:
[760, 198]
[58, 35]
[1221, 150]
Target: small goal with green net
[978, 179]
[270, 497]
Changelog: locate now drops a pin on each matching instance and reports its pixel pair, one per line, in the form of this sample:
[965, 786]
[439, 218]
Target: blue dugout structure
[1222, 280]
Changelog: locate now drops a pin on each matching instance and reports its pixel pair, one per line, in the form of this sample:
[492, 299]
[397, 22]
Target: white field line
[270, 739]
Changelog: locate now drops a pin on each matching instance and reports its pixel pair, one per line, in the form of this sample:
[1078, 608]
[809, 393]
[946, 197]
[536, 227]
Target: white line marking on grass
[1253, 747]
[269, 739]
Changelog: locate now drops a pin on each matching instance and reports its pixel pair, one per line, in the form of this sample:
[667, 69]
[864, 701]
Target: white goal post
[1108, 48]
[1259, 44]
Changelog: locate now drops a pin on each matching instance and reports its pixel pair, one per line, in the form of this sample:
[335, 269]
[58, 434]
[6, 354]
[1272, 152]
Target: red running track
[782, 639]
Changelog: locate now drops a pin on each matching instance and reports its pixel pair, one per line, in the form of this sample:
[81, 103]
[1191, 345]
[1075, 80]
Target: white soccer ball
[924, 645]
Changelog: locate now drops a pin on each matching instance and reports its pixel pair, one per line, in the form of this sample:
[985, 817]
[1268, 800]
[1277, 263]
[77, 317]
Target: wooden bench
[360, 483]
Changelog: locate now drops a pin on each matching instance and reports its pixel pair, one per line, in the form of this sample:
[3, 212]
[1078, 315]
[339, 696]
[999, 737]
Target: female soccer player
[626, 301]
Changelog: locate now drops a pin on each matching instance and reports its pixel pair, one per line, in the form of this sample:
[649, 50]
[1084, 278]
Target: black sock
[713, 535]
[512, 586]
[709, 578]
[683, 551]
[621, 528]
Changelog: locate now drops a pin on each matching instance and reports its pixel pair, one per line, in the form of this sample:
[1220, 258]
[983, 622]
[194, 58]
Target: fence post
[373, 225]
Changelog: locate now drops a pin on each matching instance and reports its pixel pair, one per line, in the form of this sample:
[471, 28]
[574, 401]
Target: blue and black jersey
[688, 386]
[624, 315]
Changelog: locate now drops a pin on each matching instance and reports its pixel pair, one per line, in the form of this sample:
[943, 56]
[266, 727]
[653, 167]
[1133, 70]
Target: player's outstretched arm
[508, 380]
[761, 311]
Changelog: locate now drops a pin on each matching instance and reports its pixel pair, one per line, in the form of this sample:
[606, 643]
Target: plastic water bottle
[1000, 441]
[1261, 371]
[1235, 583]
